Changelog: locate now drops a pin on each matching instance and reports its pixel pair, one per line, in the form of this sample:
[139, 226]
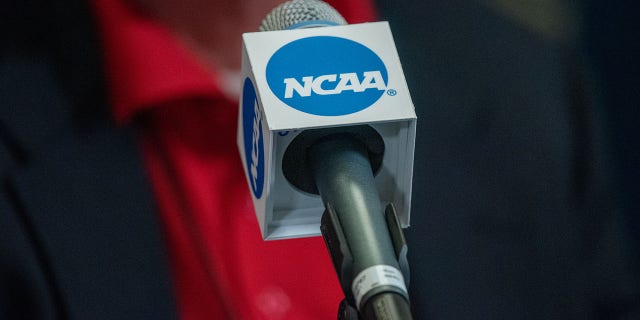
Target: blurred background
[527, 203]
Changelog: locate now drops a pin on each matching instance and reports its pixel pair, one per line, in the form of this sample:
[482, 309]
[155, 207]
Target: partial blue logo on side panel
[253, 139]
[327, 76]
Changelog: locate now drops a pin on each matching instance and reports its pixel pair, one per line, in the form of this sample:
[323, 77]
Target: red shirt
[221, 267]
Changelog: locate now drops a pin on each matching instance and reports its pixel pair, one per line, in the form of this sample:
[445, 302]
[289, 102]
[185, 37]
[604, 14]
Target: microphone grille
[299, 14]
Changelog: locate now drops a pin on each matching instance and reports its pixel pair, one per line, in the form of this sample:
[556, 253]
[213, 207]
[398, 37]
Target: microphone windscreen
[301, 13]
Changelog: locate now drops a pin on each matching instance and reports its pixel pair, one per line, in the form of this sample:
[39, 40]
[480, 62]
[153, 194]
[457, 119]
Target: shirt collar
[145, 64]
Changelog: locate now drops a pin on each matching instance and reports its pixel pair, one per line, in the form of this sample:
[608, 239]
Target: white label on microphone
[376, 276]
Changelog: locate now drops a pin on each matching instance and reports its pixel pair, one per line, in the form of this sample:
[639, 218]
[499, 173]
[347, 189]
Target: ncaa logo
[253, 139]
[326, 76]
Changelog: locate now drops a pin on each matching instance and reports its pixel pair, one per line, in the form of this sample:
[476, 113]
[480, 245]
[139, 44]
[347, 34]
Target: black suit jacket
[512, 216]
[79, 238]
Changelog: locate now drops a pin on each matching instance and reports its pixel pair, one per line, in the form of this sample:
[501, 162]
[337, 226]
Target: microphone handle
[387, 306]
[343, 175]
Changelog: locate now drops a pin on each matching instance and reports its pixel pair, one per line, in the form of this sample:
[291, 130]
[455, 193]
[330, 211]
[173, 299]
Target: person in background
[123, 195]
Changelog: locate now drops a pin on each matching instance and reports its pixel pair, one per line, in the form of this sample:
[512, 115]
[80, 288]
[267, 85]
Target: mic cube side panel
[394, 180]
[254, 142]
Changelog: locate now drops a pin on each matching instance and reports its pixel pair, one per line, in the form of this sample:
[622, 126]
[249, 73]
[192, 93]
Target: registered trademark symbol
[392, 92]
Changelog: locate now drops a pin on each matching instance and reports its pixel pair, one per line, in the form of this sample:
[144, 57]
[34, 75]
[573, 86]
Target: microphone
[323, 110]
[368, 252]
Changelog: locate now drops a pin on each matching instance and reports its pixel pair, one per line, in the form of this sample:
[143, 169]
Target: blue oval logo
[327, 76]
[253, 140]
